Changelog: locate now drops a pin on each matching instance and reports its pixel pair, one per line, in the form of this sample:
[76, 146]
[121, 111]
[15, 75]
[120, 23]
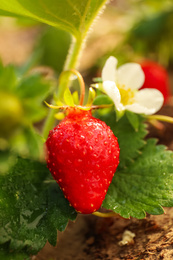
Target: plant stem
[71, 63]
[81, 83]
[106, 215]
[163, 118]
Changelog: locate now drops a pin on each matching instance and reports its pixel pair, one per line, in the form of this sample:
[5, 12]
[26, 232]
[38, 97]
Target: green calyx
[70, 99]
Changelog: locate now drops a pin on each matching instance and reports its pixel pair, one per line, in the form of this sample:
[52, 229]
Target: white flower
[122, 86]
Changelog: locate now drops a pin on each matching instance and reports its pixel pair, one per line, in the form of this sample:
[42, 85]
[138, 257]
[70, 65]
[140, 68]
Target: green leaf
[91, 96]
[129, 140]
[133, 119]
[26, 142]
[119, 114]
[145, 186]
[72, 16]
[75, 96]
[102, 100]
[33, 87]
[68, 98]
[13, 256]
[34, 143]
[21, 99]
[32, 208]
[34, 111]
[32, 90]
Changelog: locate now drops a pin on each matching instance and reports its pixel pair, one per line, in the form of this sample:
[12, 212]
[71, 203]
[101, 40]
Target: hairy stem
[71, 63]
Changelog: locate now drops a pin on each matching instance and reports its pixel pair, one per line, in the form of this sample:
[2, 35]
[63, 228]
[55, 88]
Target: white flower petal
[113, 92]
[109, 69]
[139, 109]
[130, 75]
[147, 101]
[151, 98]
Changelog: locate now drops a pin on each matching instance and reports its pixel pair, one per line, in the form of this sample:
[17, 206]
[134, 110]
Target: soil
[94, 238]
[91, 238]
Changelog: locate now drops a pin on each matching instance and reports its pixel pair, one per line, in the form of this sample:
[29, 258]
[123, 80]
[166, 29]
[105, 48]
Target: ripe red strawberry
[156, 77]
[83, 155]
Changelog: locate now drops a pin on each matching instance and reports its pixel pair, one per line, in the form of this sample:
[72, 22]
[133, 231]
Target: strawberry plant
[98, 154]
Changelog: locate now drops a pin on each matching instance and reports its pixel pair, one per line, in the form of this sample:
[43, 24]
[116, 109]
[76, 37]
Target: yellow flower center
[127, 95]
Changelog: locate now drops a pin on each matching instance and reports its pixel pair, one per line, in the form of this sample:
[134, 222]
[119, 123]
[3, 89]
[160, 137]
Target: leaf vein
[58, 18]
[74, 8]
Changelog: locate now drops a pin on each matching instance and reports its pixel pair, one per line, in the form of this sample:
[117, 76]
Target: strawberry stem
[163, 118]
[106, 215]
[82, 86]
[81, 83]
[71, 63]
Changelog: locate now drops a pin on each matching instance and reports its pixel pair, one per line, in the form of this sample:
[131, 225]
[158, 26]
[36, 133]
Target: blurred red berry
[156, 77]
